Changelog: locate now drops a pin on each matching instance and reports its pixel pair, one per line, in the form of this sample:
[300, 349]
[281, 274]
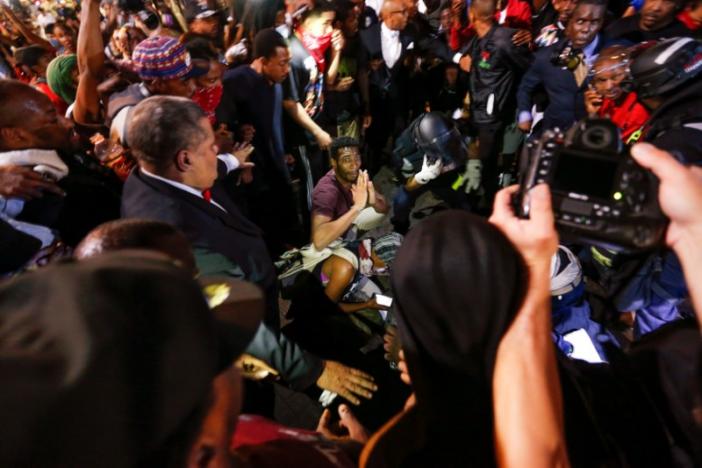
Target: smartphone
[385, 301]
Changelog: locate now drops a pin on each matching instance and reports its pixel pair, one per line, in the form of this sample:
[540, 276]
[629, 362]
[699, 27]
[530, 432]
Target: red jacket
[517, 15]
[629, 116]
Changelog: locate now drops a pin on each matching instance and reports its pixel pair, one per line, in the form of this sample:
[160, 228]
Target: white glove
[429, 171]
[472, 175]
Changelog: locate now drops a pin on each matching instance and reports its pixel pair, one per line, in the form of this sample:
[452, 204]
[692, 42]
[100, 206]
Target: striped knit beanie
[161, 57]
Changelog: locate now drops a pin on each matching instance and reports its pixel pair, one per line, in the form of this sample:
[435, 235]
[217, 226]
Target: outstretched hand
[242, 151]
[348, 427]
[346, 381]
[23, 182]
[522, 37]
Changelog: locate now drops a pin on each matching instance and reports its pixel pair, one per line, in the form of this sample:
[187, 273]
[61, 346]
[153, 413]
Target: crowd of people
[282, 233]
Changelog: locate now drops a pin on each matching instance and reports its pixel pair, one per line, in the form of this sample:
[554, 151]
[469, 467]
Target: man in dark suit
[177, 183]
[384, 74]
[562, 69]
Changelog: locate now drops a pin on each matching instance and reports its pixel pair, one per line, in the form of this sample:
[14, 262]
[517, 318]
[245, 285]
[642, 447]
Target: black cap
[199, 9]
[29, 55]
[102, 360]
[665, 66]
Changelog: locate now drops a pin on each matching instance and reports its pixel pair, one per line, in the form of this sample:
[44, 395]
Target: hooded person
[107, 379]
[451, 318]
[62, 76]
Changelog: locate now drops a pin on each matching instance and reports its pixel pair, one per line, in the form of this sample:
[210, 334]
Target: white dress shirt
[231, 162]
[390, 44]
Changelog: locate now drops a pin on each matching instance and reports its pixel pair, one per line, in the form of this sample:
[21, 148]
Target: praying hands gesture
[359, 191]
[364, 194]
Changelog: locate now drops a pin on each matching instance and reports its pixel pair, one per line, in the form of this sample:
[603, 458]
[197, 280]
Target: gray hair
[162, 126]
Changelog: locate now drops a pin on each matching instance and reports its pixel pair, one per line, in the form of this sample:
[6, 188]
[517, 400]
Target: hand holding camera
[680, 195]
[536, 237]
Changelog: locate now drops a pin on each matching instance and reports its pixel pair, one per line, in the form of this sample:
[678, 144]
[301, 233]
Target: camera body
[601, 196]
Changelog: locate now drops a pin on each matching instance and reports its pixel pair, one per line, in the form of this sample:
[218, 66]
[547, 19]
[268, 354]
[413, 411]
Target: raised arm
[91, 58]
[31, 36]
[528, 405]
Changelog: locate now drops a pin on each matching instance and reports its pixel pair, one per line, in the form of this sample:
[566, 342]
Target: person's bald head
[29, 120]
[394, 14]
[137, 234]
[483, 10]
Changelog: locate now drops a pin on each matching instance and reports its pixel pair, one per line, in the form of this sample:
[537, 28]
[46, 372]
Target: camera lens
[597, 137]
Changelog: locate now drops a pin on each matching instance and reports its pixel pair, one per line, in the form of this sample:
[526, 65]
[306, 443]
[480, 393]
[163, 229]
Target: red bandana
[316, 46]
[208, 99]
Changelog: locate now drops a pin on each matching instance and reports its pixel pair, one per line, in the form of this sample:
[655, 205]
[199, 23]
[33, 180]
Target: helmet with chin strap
[666, 66]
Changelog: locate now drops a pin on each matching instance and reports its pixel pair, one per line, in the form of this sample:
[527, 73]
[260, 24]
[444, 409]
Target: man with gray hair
[174, 145]
[178, 182]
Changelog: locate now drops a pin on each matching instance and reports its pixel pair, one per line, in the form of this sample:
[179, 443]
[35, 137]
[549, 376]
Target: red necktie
[207, 195]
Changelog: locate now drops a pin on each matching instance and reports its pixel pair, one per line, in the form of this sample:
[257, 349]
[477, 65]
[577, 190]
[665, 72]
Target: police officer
[667, 78]
[430, 155]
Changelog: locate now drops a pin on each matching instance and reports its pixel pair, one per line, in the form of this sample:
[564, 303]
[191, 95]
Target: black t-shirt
[304, 84]
[628, 29]
[249, 98]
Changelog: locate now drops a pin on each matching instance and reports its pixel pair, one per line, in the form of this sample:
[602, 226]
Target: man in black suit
[562, 69]
[177, 182]
[384, 74]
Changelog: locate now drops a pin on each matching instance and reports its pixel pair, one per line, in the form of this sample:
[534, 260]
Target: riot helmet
[437, 137]
[666, 66]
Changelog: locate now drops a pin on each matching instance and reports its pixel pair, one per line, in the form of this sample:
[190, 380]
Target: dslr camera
[601, 196]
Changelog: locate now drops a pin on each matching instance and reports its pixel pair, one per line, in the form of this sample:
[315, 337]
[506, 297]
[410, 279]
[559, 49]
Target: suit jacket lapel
[232, 218]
